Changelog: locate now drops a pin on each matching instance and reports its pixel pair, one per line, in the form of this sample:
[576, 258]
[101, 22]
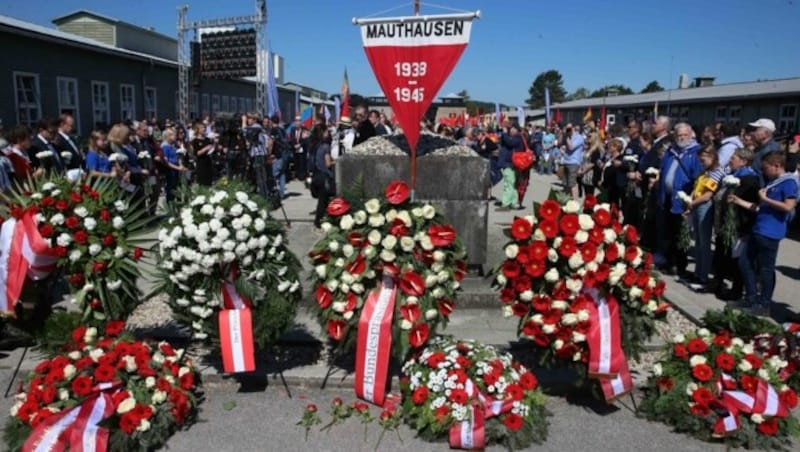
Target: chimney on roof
[683, 81]
[702, 81]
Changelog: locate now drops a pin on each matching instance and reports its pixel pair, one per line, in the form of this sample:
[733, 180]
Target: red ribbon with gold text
[236, 330]
[470, 433]
[374, 344]
[765, 401]
[23, 252]
[77, 428]
[607, 361]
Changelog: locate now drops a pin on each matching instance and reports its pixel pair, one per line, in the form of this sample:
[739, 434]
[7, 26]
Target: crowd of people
[731, 191]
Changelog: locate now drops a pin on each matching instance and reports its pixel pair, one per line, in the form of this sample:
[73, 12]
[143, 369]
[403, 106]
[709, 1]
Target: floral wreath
[393, 237]
[473, 394]
[221, 251]
[571, 270]
[87, 232]
[105, 392]
[719, 387]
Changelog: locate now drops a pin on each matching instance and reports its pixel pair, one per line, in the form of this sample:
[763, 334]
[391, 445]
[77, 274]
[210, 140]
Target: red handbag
[523, 160]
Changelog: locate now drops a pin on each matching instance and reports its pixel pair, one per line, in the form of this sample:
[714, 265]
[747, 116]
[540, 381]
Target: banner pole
[414, 151]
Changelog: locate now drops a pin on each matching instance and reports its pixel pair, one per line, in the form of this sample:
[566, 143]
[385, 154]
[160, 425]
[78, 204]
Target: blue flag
[337, 108]
[272, 89]
[547, 105]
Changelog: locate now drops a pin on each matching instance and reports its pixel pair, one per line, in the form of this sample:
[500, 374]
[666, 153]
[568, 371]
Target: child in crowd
[757, 262]
[702, 216]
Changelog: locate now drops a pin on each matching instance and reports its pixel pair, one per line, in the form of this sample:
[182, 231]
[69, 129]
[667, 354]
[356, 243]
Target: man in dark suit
[67, 144]
[364, 127]
[42, 142]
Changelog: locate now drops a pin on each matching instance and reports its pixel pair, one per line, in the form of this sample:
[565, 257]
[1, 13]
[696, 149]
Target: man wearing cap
[763, 129]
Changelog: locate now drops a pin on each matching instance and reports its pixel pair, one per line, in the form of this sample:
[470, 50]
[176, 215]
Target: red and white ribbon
[607, 360]
[374, 344]
[23, 252]
[236, 330]
[77, 428]
[471, 432]
[766, 402]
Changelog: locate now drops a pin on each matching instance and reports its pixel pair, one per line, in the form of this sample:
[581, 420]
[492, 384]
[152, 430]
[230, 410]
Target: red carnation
[442, 235]
[769, 427]
[114, 327]
[541, 303]
[435, 359]
[442, 413]
[522, 284]
[631, 252]
[602, 217]
[104, 373]
[568, 247]
[186, 381]
[397, 192]
[749, 384]
[99, 267]
[696, 346]
[46, 230]
[507, 295]
[76, 197]
[754, 360]
[521, 229]
[665, 384]
[128, 423]
[723, 339]
[569, 224]
[137, 253]
[789, 398]
[588, 251]
[659, 290]
[700, 410]
[513, 421]
[612, 253]
[703, 396]
[514, 392]
[108, 240]
[78, 333]
[419, 335]
[105, 215]
[535, 269]
[629, 278]
[702, 372]
[76, 279]
[528, 381]
[549, 228]
[596, 235]
[538, 250]
[82, 385]
[80, 237]
[519, 309]
[62, 205]
[679, 350]
[47, 201]
[510, 269]
[549, 210]
[411, 283]
[71, 222]
[459, 396]
[589, 202]
[420, 395]
[446, 307]
[725, 362]
[631, 235]
[337, 207]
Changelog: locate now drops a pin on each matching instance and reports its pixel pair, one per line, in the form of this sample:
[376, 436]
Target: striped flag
[521, 116]
[327, 113]
[345, 95]
[497, 114]
[272, 89]
[588, 115]
[337, 108]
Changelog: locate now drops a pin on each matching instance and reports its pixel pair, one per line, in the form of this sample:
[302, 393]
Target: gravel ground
[428, 144]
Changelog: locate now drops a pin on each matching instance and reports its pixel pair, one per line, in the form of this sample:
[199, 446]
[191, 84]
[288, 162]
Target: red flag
[557, 117]
[411, 60]
[345, 96]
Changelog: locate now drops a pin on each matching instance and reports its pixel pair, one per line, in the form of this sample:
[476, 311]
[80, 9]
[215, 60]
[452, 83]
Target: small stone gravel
[428, 144]
[153, 313]
[676, 324]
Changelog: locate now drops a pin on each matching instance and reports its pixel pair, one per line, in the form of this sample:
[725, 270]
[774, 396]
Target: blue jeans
[702, 222]
[757, 264]
[279, 173]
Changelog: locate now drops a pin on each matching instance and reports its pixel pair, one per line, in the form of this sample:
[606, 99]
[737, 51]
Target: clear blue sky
[592, 43]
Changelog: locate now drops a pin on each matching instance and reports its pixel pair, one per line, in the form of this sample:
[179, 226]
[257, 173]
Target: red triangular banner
[411, 59]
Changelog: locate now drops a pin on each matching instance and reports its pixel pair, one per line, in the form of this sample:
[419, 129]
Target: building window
[735, 114]
[205, 104]
[194, 106]
[67, 89]
[787, 119]
[215, 104]
[722, 114]
[100, 110]
[150, 103]
[127, 102]
[28, 100]
[225, 104]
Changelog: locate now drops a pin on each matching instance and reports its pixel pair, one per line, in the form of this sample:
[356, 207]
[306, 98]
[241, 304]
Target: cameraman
[258, 143]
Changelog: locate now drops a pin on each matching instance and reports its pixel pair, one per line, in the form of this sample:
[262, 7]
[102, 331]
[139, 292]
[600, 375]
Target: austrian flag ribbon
[23, 252]
[77, 427]
[470, 433]
[236, 331]
[765, 401]
[607, 361]
[374, 343]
